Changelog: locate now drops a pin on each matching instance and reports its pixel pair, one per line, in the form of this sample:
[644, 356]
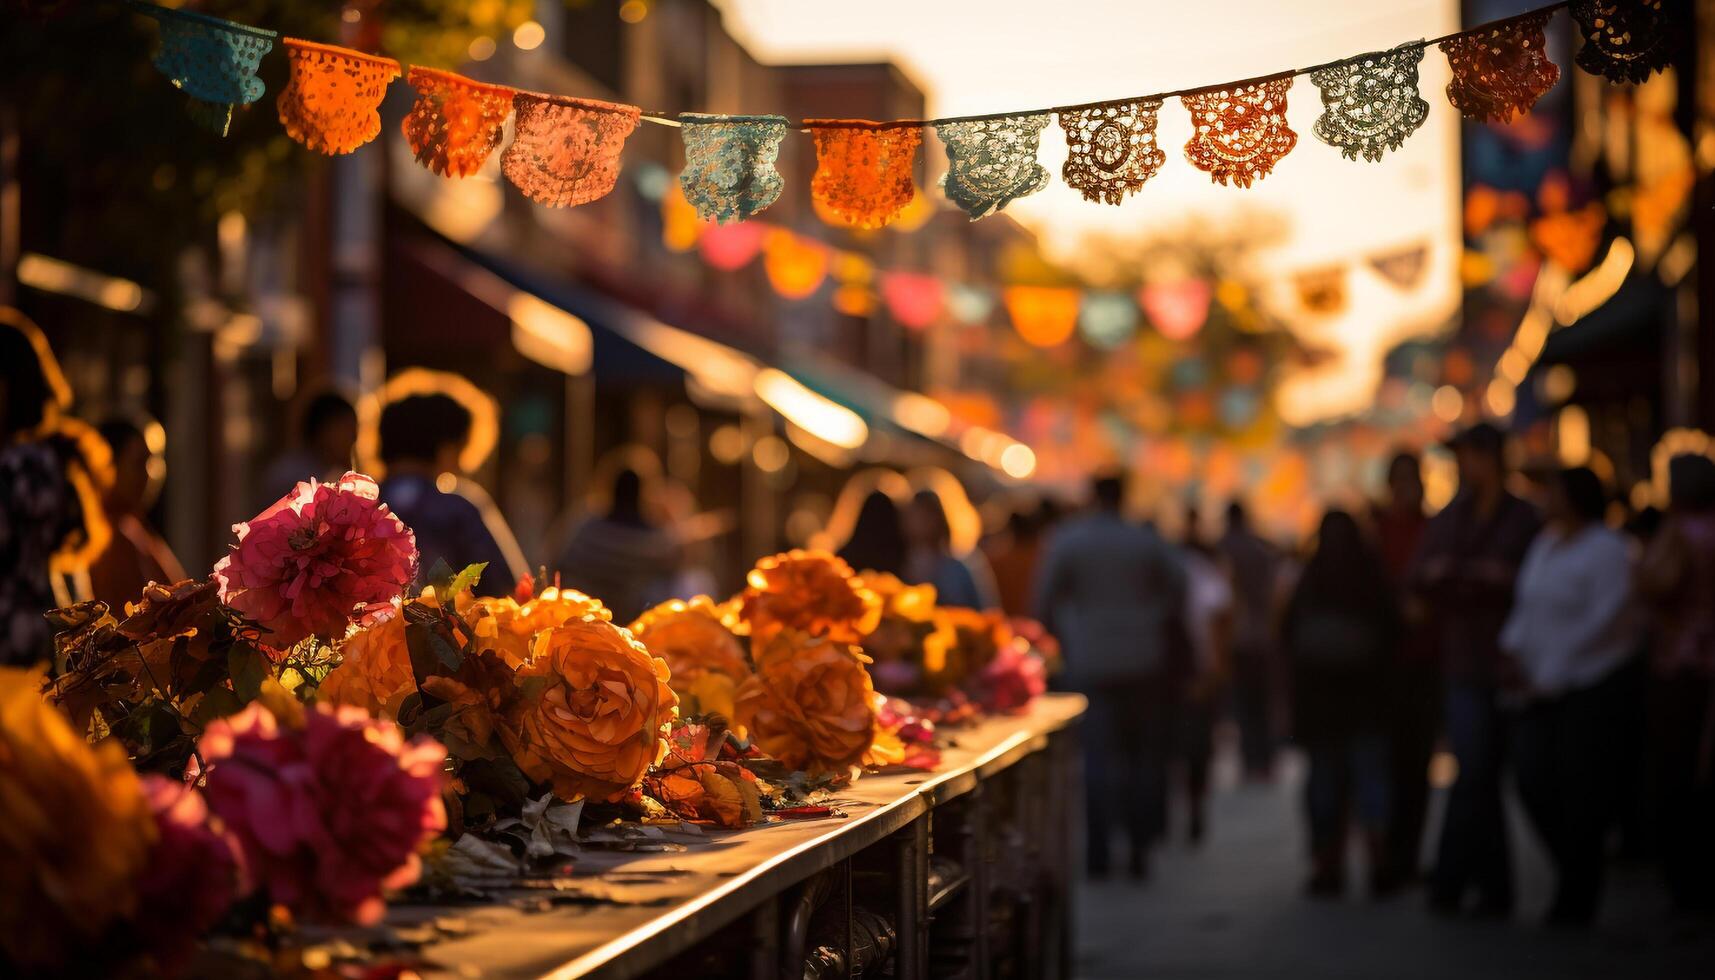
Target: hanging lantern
[1370, 105]
[729, 164]
[969, 305]
[1402, 267]
[565, 151]
[1111, 151]
[863, 169]
[729, 247]
[456, 123]
[913, 299]
[331, 99]
[795, 266]
[1107, 320]
[211, 60]
[1045, 316]
[992, 162]
[1626, 40]
[1239, 134]
[1500, 72]
[1177, 309]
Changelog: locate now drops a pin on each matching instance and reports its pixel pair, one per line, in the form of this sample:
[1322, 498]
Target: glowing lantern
[1178, 309]
[731, 246]
[680, 225]
[796, 266]
[1107, 320]
[913, 299]
[1044, 316]
[969, 305]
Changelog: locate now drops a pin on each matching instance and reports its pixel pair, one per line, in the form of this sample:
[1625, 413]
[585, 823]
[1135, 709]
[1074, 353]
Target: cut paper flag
[1404, 267]
[565, 151]
[729, 164]
[969, 305]
[795, 266]
[1239, 134]
[211, 60]
[1371, 105]
[1322, 291]
[730, 247]
[1177, 309]
[1044, 316]
[1107, 320]
[1500, 72]
[1625, 40]
[330, 100]
[456, 123]
[913, 299]
[1111, 151]
[992, 162]
[863, 169]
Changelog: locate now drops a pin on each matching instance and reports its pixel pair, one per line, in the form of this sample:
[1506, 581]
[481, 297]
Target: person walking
[622, 555]
[1255, 567]
[1112, 591]
[1208, 631]
[421, 437]
[1415, 689]
[1568, 639]
[1340, 633]
[1677, 580]
[1464, 574]
[959, 579]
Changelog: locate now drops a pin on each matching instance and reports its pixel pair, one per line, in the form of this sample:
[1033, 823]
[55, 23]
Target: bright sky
[979, 56]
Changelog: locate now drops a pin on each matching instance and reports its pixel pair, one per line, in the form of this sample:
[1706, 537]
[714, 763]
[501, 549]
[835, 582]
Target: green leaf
[248, 669]
[465, 579]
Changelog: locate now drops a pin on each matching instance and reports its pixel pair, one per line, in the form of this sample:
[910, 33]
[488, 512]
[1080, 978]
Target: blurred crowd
[1557, 647]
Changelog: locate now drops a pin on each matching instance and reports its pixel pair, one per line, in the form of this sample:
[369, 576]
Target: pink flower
[329, 815]
[324, 556]
[1014, 678]
[193, 874]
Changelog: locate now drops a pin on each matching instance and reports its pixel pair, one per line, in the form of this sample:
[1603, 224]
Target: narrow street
[1233, 909]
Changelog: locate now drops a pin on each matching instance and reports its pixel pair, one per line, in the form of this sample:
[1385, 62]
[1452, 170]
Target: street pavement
[1233, 909]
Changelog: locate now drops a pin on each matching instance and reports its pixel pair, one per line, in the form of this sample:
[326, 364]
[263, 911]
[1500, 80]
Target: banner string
[665, 118]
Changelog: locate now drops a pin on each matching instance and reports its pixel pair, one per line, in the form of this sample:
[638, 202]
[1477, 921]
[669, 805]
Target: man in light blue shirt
[1113, 592]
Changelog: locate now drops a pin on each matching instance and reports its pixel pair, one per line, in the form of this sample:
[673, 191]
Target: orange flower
[809, 704]
[963, 642]
[593, 713]
[720, 793]
[75, 830]
[810, 591]
[375, 674]
[707, 661]
[508, 628]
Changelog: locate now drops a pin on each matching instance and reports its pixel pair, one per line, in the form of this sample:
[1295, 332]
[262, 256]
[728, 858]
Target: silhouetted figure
[621, 556]
[1677, 577]
[454, 520]
[135, 555]
[1012, 557]
[959, 580]
[1416, 688]
[1340, 634]
[1570, 636]
[1113, 592]
[327, 438]
[1208, 633]
[44, 529]
[1254, 566]
[877, 542]
[1464, 573]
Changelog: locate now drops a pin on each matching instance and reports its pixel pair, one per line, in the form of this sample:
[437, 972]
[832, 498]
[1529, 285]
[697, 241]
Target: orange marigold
[706, 660]
[75, 830]
[810, 703]
[506, 627]
[813, 592]
[375, 672]
[593, 712]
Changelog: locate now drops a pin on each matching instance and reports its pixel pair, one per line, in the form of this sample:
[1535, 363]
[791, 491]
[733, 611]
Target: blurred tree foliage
[116, 176]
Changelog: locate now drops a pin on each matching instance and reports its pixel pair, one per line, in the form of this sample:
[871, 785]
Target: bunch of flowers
[810, 702]
[811, 592]
[705, 659]
[322, 557]
[329, 805]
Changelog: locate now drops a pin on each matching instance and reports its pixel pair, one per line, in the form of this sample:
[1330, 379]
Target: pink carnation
[193, 875]
[1012, 679]
[323, 556]
[330, 815]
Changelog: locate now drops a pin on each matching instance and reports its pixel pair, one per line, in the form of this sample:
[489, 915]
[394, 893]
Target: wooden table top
[646, 907]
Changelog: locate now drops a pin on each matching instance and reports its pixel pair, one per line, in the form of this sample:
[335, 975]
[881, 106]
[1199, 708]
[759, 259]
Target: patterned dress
[39, 511]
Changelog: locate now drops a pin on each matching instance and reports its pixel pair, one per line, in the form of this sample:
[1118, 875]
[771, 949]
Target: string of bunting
[566, 151]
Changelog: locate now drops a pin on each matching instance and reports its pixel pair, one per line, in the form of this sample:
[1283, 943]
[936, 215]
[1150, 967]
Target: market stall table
[1000, 803]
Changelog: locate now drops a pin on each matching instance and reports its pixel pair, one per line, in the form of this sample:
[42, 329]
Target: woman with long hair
[877, 540]
[1339, 633]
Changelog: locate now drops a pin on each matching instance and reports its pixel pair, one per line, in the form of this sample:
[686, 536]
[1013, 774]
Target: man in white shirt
[1567, 640]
